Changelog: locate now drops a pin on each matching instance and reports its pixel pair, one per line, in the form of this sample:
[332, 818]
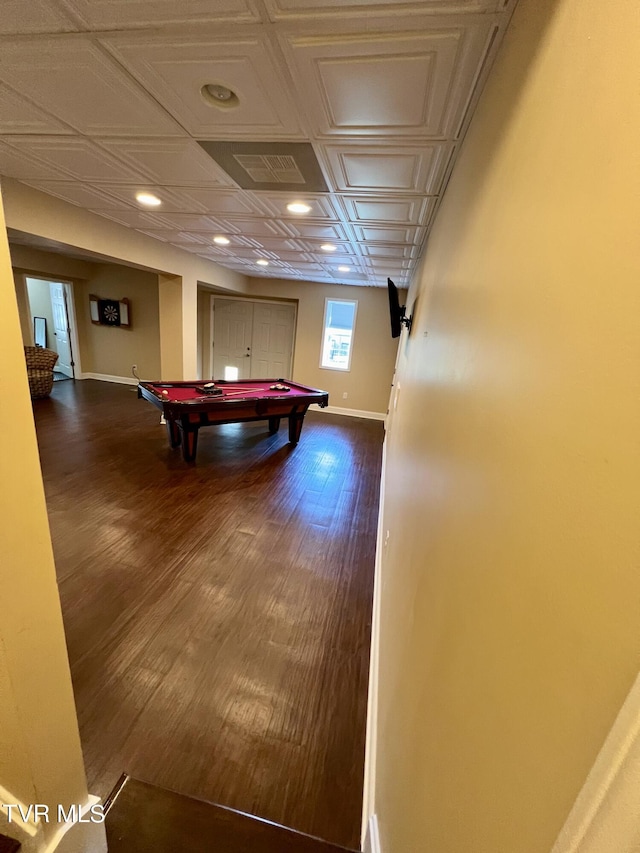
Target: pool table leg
[189, 444]
[173, 431]
[295, 426]
[274, 425]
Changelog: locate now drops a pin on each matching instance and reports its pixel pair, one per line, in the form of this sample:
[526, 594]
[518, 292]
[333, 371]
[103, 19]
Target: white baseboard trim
[351, 413]
[372, 838]
[606, 814]
[105, 377]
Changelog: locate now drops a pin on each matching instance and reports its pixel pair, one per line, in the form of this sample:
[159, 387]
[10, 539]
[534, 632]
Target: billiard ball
[165, 393]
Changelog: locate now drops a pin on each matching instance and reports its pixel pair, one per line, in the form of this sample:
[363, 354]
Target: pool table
[187, 406]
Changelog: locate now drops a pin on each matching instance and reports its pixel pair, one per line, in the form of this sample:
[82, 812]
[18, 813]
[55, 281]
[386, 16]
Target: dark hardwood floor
[147, 819]
[217, 615]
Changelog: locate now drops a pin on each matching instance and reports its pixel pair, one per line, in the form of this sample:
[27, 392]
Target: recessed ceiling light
[344, 269]
[328, 247]
[262, 262]
[221, 241]
[298, 207]
[148, 199]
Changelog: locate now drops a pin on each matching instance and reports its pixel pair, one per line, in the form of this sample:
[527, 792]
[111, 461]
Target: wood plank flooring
[218, 615]
[147, 819]
[8, 845]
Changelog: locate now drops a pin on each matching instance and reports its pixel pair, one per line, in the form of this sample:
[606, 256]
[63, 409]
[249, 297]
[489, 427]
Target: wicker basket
[40, 364]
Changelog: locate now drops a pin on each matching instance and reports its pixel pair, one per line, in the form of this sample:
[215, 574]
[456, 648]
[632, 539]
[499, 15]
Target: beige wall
[58, 222]
[113, 351]
[29, 261]
[204, 334]
[182, 274]
[103, 350]
[511, 579]
[40, 755]
[368, 383]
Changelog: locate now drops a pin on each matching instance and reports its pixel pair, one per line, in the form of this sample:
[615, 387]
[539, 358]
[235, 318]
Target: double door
[252, 340]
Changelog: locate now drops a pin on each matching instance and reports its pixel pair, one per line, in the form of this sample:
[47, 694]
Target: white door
[232, 330]
[61, 328]
[272, 341]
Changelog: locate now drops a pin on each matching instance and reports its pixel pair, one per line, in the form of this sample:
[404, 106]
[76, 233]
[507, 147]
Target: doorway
[51, 307]
[252, 340]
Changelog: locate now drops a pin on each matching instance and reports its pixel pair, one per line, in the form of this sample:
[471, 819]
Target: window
[337, 340]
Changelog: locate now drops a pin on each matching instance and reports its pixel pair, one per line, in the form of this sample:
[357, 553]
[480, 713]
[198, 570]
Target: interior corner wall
[170, 291]
[22, 300]
[510, 581]
[40, 753]
[113, 351]
[204, 336]
[368, 383]
[103, 351]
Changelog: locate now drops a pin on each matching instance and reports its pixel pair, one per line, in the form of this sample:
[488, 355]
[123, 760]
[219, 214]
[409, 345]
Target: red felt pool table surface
[190, 392]
[187, 406]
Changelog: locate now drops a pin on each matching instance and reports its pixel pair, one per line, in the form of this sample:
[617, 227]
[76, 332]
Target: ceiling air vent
[271, 168]
[282, 166]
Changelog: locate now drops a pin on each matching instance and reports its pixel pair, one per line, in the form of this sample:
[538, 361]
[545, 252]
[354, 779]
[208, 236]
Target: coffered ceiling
[103, 99]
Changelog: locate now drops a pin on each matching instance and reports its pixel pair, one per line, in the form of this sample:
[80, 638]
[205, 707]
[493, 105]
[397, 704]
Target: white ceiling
[100, 99]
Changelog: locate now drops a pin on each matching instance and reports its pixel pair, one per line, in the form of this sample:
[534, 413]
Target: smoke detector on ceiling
[219, 96]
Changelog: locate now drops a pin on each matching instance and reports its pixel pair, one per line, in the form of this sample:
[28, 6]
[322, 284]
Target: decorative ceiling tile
[286, 9]
[71, 78]
[24, 167]
[252, 227]
[316, 230]
[388, 234]
[235, 240]
[412, 210]
[387, 266]
[173, 199]
[390, 85]
[90, 197]
[395, 252]
[187, 222]
[80, 159]
[226, 202]
[369, 168]
[340, 250]
[176, 70]
[116, 14]
[100, 99]
[322, 206]
[18, 116]
[34, 16]
[178, 162]
[137, 219]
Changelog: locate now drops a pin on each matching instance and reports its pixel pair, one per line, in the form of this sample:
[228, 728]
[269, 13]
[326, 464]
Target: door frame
[214, 296]
[68, 291]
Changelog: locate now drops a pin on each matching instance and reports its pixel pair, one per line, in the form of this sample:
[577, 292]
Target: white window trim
[353, 302]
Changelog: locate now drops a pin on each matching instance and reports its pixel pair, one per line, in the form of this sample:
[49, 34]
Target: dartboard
[109, 310]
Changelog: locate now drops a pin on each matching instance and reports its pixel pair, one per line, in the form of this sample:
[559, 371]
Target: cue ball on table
[166, 393]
